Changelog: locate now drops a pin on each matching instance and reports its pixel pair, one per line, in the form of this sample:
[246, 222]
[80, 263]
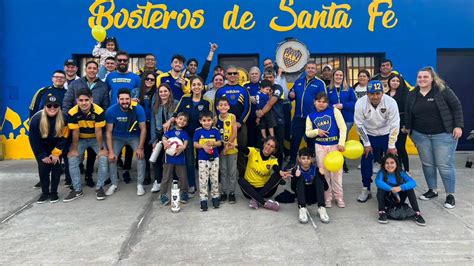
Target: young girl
[107, 48]
[328, 127]
[390, 178]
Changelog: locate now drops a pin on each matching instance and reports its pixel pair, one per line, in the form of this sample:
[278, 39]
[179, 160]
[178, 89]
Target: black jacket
[448, 104]
[401, 98]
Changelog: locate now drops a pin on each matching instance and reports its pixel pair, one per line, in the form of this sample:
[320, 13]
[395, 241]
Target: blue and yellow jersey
[176, 88]
[202, 136]
[86, 123]
[225, 127]
[258, 171]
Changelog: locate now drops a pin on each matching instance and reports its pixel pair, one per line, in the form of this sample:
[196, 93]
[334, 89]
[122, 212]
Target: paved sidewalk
[128, 229]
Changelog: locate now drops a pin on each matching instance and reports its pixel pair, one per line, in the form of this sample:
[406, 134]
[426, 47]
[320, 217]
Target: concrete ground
[127, 229]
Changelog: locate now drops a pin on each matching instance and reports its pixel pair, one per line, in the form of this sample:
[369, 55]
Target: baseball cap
[51, 99]
[327, 66]
[374, 86]
[70, 61]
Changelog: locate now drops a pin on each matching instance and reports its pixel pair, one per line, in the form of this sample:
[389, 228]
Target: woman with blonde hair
[435, 120]
[48, 133]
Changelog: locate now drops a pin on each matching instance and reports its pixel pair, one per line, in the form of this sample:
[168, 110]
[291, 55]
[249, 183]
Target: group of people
[233, 135]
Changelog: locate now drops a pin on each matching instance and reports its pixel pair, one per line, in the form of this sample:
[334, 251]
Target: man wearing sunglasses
[100, 93]
[239, 100]
[121, 78]
[86, 121]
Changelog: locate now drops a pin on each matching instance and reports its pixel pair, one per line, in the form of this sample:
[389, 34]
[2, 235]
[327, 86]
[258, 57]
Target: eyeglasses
[149, 79]
[52, 105]
[232, 73]
[122, 60]
[58, 77]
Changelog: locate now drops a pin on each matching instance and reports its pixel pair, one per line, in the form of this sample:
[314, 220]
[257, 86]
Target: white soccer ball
[174, 144]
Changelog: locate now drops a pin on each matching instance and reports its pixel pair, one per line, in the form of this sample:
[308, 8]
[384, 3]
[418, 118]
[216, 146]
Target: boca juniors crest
[324, 122]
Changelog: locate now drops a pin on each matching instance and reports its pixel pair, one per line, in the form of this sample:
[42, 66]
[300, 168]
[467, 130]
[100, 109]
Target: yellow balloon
[333, 161]
[353, 149]
[99, 34]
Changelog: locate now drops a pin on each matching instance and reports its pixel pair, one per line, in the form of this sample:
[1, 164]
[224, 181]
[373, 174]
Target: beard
[124, 106]
[122, 67]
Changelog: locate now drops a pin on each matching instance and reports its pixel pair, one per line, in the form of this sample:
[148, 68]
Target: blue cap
[374, 86]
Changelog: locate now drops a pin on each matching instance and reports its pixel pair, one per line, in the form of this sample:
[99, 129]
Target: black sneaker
[231, 198]
[42, 199]
[223, 197]
[419, 219]
[120, 163]
[89, 182]
[37, 185]
[126, 177]
[107, 182]
[429, 195]
[73, 195]
[203, 205]
[67, 182]
[100, 194]
[215, 203]
[147, 181]
[383, 217]
[450, 202]
[53, 198]
[344, 168]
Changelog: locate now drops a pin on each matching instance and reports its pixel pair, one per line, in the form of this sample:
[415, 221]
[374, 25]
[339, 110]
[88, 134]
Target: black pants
[148, 149]
[410, 194]
[67, 175]
[279, 135]
[259, 194]
[309, 193]
[252, 132]
[45, 172]
[241, 157]
[127, 164]
[402, 151]
[91, 155]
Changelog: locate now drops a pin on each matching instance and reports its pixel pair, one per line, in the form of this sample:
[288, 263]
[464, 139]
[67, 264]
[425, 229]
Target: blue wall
[38, 35]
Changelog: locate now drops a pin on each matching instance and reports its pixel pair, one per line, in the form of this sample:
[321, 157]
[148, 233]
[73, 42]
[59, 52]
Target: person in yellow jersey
[262, 175]
[225, 122]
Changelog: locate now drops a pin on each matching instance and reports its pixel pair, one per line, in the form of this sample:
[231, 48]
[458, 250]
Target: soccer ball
[174, 143]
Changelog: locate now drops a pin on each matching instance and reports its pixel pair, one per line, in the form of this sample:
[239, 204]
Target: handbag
[396, 210]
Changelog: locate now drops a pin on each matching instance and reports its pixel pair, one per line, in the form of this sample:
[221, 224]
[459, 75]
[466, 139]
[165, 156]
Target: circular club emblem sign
[292, 55]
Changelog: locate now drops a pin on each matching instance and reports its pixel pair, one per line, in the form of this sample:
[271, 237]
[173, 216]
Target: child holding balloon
[328, 128]
[103, 50]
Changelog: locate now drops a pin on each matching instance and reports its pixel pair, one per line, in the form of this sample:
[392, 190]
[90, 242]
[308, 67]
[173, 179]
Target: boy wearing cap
[378, 121]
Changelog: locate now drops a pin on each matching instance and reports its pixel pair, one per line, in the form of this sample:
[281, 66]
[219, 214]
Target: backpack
[397, 211]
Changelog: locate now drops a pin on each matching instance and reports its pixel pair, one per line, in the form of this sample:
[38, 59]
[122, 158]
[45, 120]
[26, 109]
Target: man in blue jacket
[304, 92]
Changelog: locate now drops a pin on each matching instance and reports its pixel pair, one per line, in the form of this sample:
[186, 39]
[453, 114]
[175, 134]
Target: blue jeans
[379, 145]
[437, 152]
[118, 143]
[349, 126]
[74, 162]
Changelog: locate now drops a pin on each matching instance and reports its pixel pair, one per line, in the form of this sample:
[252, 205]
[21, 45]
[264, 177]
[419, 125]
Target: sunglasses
[122, 60]
[52, 105]
[149, 79]
[232, 73]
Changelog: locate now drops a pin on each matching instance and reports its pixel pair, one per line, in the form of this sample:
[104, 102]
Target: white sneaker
[140, 190]
[111, 190]
[376, 168]
[365, 195]
[303, 215]
[358, 166]
[156, 187]
[323, 215]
